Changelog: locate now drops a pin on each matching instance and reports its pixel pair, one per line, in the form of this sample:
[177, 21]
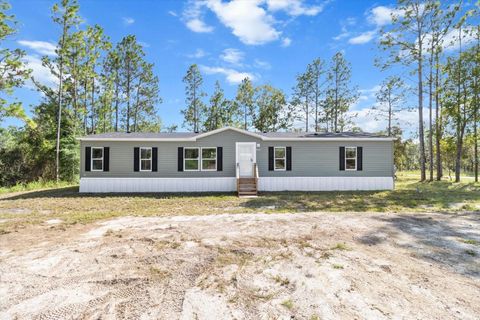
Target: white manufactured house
[230, 159]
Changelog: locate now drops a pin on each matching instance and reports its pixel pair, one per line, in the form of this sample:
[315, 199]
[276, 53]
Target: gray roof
[271, 135]
[141, 135]
[321, 135]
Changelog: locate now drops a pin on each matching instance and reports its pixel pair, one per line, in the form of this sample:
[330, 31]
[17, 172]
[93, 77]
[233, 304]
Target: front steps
[247, 187]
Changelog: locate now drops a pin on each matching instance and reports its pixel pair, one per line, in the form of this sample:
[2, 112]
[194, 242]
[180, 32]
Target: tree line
[322, 92]
[103, 86]
[99, 87]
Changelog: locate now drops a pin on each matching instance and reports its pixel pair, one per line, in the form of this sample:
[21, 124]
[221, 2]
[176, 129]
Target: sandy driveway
[310, 266]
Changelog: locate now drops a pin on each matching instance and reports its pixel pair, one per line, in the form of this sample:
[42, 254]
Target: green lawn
[21, 208]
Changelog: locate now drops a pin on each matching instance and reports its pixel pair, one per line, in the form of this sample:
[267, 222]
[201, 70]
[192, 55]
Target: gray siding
[309, 159]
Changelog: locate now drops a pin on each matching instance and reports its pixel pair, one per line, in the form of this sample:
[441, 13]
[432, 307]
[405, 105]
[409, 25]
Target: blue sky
[268, 40]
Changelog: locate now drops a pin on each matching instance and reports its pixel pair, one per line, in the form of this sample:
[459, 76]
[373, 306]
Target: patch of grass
[158, 273]
[470, 252]
[283, 281]
[36, 202]
[470, 241]
[337, 266]
[288, 304]
[340, 246]
[228, 256]
[167, 244]
[314, 317]
[36, 185]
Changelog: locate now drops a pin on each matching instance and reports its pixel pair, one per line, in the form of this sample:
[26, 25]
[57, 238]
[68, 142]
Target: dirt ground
[245, 266]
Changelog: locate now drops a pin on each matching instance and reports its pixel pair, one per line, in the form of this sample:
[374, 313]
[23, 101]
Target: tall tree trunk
[438, 120]
[137, 103]
[85, 108]
[128, 99]
[430, 114]
[460, 119]
[60, 96]
[117, 99]
[92, 102]
[389, 114]
[420, 115]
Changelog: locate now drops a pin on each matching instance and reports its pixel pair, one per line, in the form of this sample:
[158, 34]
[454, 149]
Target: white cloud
[128, 21]
[451, 39]
[286, 42]
[381, 15]
[407, 120]
[40, 73]
[172, 13]
[252, 21]
[199, 53]
[233, 56]
[41, 47]
[363, 38]
[262, 64]
[197, 25]
[231, 75]
[293, 7]
[193, 17]
[247, 19]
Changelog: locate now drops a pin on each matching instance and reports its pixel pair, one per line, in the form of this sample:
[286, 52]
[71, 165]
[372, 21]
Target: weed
[337, 266]
[470, 252]
[288, 304]
[340, 246]
[470, 241]
[283, 281]
[159, 273]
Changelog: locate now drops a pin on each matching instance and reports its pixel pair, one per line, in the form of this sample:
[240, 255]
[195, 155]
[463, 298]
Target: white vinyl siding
[97, 159]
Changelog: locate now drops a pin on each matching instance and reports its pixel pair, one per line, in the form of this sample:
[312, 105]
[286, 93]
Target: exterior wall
[222, 184]
[309, 159]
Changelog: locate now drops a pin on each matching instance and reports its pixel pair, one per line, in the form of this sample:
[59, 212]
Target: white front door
[246, 157]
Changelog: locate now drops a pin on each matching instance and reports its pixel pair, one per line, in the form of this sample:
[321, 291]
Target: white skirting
[221, 184]
[324, 183]
[158, 184]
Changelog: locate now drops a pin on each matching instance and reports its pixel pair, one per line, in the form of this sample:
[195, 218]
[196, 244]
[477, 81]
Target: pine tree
[245, 101]
[390, 101]
[192, 113]
[340, 94]
[12, 67]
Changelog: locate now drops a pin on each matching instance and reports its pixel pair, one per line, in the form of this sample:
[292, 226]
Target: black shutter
[88, 158]
[180, 159]
[219, 158]
[106, 159]
[359, 158]
[270, 159]
[154, 159]
[342, 158]
[289, 158]
[136, 159]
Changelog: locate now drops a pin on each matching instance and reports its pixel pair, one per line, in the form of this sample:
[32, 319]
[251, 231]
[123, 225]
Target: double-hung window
[351, 158]
[145, 159]
[97, 158]
[191, 159]
[209, 159]
[280, 158]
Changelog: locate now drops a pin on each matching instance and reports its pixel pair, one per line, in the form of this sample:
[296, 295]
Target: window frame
[198, 159]
[140, 159]
[284, 159]
[354, 158]
[201, 158]
[96, 159]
